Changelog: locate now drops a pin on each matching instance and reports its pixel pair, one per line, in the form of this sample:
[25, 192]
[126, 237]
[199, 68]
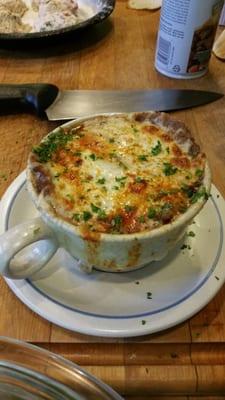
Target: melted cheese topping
[119, 175]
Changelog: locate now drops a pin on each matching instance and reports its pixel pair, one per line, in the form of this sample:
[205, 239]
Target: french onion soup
[119, 174]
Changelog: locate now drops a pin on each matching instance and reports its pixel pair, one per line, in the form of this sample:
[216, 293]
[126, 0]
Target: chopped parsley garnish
[199, 194]
[168, 150]
[94, 208]
[191, 234]
[188, 190]
[116, 187]
[166, 206]
[143, 322]
[93, 156]
[70, 197]
[151, 213]
[53, 142]
[120, 179]
[156, 149]
[57, 175]
[111, 140]
[169, 169]
[199, 172]
[86, 215]
[143, 157]
[185, 246]
[101, 214]
[141, 219]
[77, 153]
[101, 181]
[76, 216]
[117, 221]
[149, 295]
[138, 179]
[128, 208]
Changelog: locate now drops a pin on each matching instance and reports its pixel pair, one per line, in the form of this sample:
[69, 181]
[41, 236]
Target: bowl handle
[17, 260]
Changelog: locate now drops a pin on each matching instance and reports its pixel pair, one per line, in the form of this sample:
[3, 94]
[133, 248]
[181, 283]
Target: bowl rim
[48, 215]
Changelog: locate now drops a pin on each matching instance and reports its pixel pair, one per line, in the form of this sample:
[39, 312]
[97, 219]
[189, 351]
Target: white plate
[149, 300]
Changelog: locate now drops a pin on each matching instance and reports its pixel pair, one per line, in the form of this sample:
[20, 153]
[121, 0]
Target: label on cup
[185, 38]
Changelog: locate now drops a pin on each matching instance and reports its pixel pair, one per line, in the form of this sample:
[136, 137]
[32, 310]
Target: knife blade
[46, 100]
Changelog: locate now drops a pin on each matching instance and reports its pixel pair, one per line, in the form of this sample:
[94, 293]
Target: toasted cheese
[120, 174]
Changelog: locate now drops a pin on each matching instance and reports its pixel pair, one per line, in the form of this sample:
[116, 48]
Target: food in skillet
[23, 16]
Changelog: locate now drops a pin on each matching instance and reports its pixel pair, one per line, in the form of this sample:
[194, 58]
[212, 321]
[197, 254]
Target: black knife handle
[31, 98]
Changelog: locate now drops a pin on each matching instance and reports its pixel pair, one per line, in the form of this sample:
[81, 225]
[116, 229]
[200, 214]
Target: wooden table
[189, 359]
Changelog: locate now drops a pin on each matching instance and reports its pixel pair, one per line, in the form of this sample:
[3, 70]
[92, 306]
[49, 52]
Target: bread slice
[145, 4]
[219, 46]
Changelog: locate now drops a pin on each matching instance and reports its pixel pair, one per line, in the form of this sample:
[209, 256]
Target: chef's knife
[48, 100]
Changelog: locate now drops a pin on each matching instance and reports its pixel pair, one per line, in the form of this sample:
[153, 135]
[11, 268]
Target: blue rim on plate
[145, 314]
[105, 8]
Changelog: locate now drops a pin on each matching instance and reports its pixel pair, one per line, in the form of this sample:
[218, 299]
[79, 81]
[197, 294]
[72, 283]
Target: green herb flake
[199, 194]
[57, 175]
[53, 142]
[101, 181]
[191, 234]
[94, 208]
[141, 219]
[76, 217]
[149, 295]
[168, 150]
[120, 179]
[70, 197]
[143, 157]
[184, 246]
[116, 187]
[199, 172]
[217, 278]
[151, 213]
[117, 221]
[87, 215]
[156, 149]
[188, 190]
[143, 322]
[128, 208]
[77, 153]
[93, 157]
[111, 140]
[138, 179]
[101, 214]
[169, 169]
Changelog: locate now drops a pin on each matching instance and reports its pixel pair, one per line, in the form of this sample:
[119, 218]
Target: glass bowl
[28, 372]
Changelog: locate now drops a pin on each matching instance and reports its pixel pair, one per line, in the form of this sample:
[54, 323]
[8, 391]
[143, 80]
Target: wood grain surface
[188, 360]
